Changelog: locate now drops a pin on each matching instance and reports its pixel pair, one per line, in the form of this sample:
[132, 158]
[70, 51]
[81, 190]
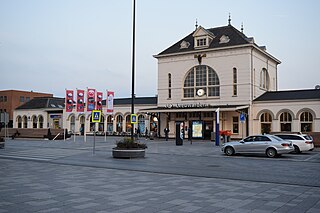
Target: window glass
[21, 99]
[235, 126]
[201, 42]
[1, 98]
[201, 77]
[276, 138]
[248, 139]
[308, 137]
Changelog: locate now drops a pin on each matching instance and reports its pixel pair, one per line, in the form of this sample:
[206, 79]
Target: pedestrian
[190, 135]
[146, 133]
[138, 132]
[166, 133]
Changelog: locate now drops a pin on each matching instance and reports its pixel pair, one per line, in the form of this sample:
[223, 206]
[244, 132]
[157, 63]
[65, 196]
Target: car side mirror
[241, 141]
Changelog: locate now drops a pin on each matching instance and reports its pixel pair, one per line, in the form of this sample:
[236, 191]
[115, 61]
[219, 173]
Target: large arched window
[265, 120]
[201, 81]
[141, 123]
[72, 123]
[306, 120]
[285, 122]
[25, 122]
[101, 124]
[82, 124]
[40, 119]
[110, 124]
[34, 122]
[128, 123]
[264, 79]
[92, 125]
[119, 120]
[19, 120]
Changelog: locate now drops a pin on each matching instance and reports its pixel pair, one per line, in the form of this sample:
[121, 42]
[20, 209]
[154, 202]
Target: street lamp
[133, 61]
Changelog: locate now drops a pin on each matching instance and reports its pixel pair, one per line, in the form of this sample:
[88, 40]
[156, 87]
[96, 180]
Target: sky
[53, 45]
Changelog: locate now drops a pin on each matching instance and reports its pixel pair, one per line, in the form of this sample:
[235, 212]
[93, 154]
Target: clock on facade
[200, 92]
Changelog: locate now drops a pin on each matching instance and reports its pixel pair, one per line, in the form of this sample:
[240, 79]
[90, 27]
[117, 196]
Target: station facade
[208, 71]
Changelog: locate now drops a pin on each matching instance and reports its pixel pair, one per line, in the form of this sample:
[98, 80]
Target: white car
[301, 142]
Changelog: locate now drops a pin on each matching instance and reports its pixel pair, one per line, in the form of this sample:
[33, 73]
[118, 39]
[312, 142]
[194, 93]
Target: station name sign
[186, 106]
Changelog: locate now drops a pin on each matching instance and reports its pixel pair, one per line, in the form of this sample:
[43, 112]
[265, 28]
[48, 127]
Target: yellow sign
[134, 118]
[96, 116]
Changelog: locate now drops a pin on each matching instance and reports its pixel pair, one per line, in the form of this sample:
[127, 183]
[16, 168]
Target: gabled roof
[43, 102]
[235, 36]
[222, 37]
[309, 94]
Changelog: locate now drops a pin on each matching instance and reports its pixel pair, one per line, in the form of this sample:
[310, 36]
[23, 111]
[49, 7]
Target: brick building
[11, 99]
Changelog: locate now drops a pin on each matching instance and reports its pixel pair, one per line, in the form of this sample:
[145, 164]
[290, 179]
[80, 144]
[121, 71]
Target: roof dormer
[202, 38]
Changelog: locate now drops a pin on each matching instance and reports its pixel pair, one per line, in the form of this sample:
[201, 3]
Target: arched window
[19, 121]
[82, 124]
[201, 81]
[128, 124]
[101, 124]
[34, 122]
[169, 85]
[119, 120]
[72, 123]
[25, 122]
[285, 122]
[40, 120]
[110, 124]
[141, 123]
[265, 120]
[306, 120]
[92, 125]
[264, 79]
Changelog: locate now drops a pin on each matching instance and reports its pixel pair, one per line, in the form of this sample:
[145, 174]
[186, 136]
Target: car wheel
[229, 151]
[271, 152]
[296, 149]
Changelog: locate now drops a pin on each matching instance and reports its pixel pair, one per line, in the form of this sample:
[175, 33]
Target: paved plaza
[71, 176]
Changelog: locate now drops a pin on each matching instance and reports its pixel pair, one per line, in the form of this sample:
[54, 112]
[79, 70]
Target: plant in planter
[129, 148]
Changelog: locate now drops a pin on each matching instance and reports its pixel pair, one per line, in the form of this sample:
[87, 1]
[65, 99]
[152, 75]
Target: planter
[128, 153]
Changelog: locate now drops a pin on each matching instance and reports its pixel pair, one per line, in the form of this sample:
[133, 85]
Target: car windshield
[276, 138]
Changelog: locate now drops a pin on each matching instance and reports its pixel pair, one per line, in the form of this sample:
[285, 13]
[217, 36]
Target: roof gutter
[217, 49]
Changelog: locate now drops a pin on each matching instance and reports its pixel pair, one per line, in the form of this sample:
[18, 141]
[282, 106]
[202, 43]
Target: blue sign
[96, 116]
[242, 118]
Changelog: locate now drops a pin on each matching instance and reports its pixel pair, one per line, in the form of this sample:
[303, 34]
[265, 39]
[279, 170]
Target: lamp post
[133, 63]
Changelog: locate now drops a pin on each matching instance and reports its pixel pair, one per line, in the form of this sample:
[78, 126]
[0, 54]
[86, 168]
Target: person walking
[166, 133]
[190, 134]
[146, 133]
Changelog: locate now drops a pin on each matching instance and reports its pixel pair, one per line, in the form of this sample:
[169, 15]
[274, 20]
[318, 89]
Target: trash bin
[179, 134]
[152, 135]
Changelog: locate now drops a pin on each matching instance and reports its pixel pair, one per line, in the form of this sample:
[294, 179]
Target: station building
[221, 69]
[209, 70]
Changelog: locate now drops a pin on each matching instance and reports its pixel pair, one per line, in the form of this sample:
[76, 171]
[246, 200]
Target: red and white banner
[99, 100]
[69, 100]
[80, 100]
[110, 97]
[91, 101]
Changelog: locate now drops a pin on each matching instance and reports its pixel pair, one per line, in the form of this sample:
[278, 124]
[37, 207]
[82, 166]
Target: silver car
[270, 145]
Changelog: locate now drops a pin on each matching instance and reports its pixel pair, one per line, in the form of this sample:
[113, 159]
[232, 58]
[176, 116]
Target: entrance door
[208, 128]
